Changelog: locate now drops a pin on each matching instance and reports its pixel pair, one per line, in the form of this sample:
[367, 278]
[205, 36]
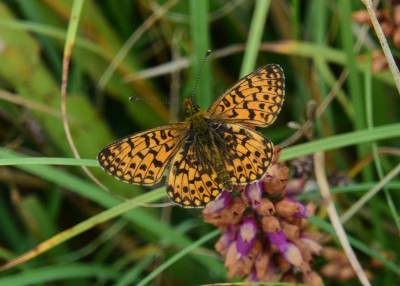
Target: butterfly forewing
[256, 99]
[142, 158]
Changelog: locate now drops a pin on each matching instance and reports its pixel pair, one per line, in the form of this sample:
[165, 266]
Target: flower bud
[266, 208]
[290, 208]
[270, 224]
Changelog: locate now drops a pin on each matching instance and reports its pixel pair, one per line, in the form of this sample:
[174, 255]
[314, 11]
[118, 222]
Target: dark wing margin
[142, 158]
[255, 99]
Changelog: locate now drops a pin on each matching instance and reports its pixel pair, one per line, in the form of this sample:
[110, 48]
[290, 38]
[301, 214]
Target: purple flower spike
[293, 255]
[228, 235]
[246, 236]
[227, 238]
[253, 276]
[278, 239]
[253, 193]
[289, 250]
[302, 210]
[219, 203]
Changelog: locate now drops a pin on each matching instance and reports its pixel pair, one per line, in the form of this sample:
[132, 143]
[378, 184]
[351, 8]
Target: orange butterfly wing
[248, 153]
[255, 99]
[142, 158]
[192, 181]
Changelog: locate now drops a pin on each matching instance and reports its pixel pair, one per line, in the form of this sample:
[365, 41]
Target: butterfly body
[211, 150]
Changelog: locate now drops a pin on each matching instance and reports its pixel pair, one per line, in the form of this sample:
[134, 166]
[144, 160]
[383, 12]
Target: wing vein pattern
[256, 99]
[142, 158]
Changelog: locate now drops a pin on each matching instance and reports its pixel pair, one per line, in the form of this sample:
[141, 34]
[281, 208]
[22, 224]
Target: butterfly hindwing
[247, 153]
[256, 99]
[191, 181]
[142, 158]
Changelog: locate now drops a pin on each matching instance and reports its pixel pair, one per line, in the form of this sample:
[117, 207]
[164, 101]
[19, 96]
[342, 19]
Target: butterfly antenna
[151, 100]
[200, 72]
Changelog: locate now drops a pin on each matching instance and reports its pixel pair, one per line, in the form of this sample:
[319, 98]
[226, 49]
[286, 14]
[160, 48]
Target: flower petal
[289, 250]
[219, 203]
[253, 193]
[246, 236]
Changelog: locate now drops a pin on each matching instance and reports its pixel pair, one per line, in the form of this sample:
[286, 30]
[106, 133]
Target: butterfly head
[190, 108]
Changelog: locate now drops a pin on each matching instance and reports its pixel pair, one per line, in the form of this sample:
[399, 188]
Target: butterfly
[211, 150]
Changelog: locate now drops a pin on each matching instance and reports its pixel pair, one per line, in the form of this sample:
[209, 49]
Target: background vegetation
[153, 50]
